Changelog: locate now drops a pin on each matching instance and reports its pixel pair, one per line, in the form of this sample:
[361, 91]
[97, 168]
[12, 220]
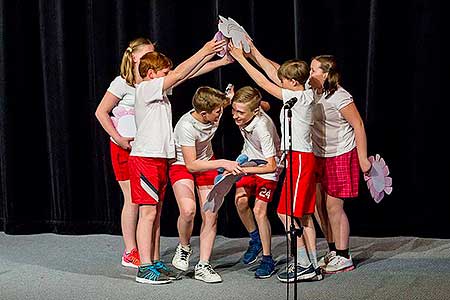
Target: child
[196, 167]
[291, 78]
[261, 141]
[152, 148]
[120, 94]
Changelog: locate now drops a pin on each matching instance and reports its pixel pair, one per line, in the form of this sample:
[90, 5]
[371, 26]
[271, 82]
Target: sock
[203, 262]
[332, 246]
[254, 235]
[267, 257]
[313, 258]
[343, 253]
[302, 257]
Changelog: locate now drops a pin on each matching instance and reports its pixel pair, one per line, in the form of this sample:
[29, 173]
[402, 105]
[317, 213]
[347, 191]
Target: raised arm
[270, 67]
[256, 75]
[183, 69]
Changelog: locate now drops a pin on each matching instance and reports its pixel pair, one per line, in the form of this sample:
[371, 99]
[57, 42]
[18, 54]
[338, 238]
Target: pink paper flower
[378, 180]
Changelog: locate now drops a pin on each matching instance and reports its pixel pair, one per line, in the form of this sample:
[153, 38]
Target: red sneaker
[131, 259]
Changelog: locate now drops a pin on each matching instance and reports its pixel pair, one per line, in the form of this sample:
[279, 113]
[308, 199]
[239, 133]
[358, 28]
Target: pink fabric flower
[378, 180]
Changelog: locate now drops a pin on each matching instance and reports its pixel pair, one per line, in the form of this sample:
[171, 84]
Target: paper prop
[123, 121]
[224, 183]
[230, 29]
[378, 180]
[219, 37]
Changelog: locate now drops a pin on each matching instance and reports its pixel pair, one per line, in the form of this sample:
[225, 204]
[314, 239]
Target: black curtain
[57, 59]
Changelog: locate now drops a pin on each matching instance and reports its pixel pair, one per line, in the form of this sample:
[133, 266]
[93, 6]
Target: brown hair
[328, 65]
[207, 99]
[249, 96]
[294, 69]
[155, 61]
[126, 67]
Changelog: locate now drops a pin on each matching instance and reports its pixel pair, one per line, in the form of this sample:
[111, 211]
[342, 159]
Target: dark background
[57, 59]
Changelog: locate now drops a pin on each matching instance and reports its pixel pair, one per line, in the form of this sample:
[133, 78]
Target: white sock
[302, 257]
[313, 258]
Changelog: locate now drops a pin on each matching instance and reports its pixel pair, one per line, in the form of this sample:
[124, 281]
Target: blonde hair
[248, 95]
[328, 65]
[127, 65]
[294, 69]
[207, 99]
[155, 61]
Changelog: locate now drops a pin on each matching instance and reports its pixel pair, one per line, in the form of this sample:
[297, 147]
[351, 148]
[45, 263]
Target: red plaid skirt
[339, 175]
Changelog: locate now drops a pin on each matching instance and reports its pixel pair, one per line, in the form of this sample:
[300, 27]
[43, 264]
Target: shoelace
[210, 269]
[183, 253]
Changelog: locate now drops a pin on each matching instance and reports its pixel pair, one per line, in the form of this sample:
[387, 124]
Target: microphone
[290, 103]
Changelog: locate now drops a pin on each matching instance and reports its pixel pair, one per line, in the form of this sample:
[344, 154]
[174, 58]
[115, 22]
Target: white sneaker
[339, 264]
[323, 262]
[181, 258]
[206, 273]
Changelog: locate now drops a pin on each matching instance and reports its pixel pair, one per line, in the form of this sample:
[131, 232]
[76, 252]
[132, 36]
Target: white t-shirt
[123, 113]
[332, 134]
[302, 120]
[261, 141]
[191, 132]
[154, 136]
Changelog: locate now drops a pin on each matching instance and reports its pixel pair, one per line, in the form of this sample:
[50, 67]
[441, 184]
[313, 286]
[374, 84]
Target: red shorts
[262, 188]
[304, 186]
[119, 159]
[178, 172]
[148, 179]
[339, 175]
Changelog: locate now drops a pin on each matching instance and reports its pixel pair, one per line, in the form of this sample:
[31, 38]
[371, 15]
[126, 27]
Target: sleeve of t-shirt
[303, 97]
[342, 99]
[184, 135]
[152, 90]
[267, 143]
[117, 87]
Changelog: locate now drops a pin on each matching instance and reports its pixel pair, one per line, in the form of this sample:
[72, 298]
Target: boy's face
[161, 73]
[213, 116]
[289, 84]
[242, 113]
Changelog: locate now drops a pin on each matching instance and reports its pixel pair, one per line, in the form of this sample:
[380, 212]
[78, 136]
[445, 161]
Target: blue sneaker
[149, 274]
[266, 268]
[250, 256]
[162, 268]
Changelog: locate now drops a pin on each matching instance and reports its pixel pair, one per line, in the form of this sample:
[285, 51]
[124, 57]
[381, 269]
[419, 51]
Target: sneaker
[149, 274]
[302, 274]
[131, 259]
[326, 259]
[162, 268]
[339, 264]
[266, 268]
[318, 276]
[206, 273]
[181, 258]
[254, 248]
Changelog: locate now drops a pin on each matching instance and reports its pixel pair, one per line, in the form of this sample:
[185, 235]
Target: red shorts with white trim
[262, 189]
[339, 175]
[304, 186]
[119, 159]
[178, 172]
[148, 179]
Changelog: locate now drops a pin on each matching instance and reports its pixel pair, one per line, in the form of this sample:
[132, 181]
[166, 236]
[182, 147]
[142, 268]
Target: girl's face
[316, 75]
[242, 113]
[140, 51]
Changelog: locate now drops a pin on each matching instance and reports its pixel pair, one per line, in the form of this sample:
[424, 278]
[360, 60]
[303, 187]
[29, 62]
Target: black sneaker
[164, 269]
[300, 273]
[149, 274]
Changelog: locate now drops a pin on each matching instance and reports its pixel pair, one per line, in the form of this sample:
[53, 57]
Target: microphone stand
[293, 231]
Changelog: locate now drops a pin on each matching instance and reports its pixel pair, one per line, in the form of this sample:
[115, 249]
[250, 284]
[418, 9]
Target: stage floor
[50, 266]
